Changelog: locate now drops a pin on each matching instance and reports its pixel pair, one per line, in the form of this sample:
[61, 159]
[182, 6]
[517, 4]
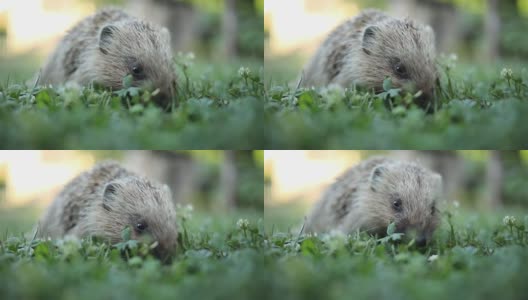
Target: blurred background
[478, 181]
[214, 30]
[490, 31]
[224, 184]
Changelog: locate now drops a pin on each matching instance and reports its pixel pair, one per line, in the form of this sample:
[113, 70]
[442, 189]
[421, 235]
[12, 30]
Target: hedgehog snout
[426, 99]
[164, 252]
[419, 235]
[163, 99]
[421, 240]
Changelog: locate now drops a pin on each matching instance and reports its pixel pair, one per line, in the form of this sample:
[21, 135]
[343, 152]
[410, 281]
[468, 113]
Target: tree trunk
[230, 29]
[229, 180]
[492, 29]
[495, 179]
[168, 167]
[445, 162]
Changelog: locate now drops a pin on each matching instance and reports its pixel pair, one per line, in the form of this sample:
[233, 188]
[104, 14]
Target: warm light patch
[297, 24]
[35, 176]
[30, 24]
[304, 173]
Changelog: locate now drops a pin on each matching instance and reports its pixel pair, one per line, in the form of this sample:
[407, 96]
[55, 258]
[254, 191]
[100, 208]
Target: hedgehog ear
[438, 183]
[105, 38]
[165, 33]
[431, 33]
[109, 195]
[369, 36]
[167, 191]
[376, 177]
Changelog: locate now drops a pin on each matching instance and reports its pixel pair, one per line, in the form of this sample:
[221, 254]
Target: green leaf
[391, 228]
[387, 84]
[127, 81]
[126, 233]
[137, 108]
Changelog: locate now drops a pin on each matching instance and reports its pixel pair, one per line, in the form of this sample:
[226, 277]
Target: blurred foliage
[249, 187]
[17, 219]
[513, 20]
[103, 3]
[17, 68]
[251, 35]
[216, 107]
[249, 166]
[250, 40]
[476, 107]
[513, 38]
[515, 189]
[250, 14]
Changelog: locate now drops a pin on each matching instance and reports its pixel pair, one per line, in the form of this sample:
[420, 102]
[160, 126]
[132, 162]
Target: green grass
[17, 219]
[215, 259]
[476, 108]
[216, 107]
[472, 257]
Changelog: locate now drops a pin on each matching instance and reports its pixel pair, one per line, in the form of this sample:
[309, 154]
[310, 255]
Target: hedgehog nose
[426, 100]
[421, 241]
[163, 254]
[162, 99]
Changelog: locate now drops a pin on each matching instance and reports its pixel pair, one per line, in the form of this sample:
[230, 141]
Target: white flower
[456, 204]
[244, 72]
[70, 245]
[334, 240]
[242, 223]
[432, 258]
[506, 73]
[185, 212]
[509, 220]
[293, 246]
[186, 59]
[450, 60]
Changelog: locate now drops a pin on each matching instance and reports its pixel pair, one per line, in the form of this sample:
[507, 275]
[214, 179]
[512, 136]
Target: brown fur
[103, 201]
[362, 199]
[365, 49]
[105, 47]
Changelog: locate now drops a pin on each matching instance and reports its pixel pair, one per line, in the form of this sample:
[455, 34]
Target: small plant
[275, 264]
[212, 109]
[468, 110]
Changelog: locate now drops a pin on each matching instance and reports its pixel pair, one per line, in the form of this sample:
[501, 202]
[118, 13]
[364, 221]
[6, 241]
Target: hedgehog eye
[137, 72]
[397, 204]
[400, 70]
[141, 226]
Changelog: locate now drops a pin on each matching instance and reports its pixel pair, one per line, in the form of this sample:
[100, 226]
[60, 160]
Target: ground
[241, 256]
[218, 106]
[477, 106]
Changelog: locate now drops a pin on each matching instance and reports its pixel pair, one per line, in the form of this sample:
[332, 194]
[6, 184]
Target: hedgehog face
[407, 195]
[404, 52]
[142, 51]
[144, 207]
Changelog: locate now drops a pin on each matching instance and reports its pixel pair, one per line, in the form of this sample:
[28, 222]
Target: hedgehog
[371, 47]
[106, 47]
[105, 200]
[377, 192]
